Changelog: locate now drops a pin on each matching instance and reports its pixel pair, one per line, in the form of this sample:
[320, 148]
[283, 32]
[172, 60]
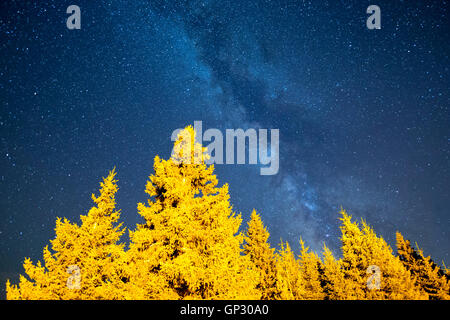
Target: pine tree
[333, 280]
[310, 272]
[363, 253]
[86, 260]
[289, 279]
[353, 262]
[262, 257]
[190, 242]
[429, 275]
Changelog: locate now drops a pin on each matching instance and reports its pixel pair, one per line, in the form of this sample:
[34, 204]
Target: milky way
[363, 114]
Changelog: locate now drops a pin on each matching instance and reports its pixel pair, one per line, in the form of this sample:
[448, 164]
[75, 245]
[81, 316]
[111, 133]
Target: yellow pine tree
[289, 284]
[429, 276]
[262, 257]
[310, 273]
[189, 243]
[85, 263]
[353, 264]
[334, 283]
[368, 262]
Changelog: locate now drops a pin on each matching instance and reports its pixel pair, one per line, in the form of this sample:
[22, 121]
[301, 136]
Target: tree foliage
[434, 281]
[190, 246]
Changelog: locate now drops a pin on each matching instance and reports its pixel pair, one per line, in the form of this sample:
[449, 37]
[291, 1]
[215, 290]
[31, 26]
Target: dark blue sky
[363, 114]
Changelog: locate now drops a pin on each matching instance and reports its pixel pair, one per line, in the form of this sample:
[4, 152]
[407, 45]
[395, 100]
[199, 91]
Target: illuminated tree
[429, 275]
[368, 262]
[310, 272]
[86, 260]
[288, 274]
[334, 284]
[190, 241]
[262, 257]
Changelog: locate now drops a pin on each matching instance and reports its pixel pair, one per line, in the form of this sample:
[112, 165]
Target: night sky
[363, 114]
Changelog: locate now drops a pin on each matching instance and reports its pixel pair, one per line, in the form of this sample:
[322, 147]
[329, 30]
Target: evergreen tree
[86, 262]
[310, 272]
[289, 280]
[262, 257]
[363, 252]
[333, 281]
[429, 275]
[190, 242]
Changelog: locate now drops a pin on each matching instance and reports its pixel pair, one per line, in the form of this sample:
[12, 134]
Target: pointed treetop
[187, 150]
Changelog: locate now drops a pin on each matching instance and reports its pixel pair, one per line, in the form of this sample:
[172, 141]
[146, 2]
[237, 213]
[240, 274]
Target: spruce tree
[289, 282]
[333, 280]
[85, 262]
[190, 242]
[310, 272]
[428, 274]
[363, 252]
[262, 257]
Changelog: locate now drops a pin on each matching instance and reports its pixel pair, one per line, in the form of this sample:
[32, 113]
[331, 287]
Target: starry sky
[363, 114]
